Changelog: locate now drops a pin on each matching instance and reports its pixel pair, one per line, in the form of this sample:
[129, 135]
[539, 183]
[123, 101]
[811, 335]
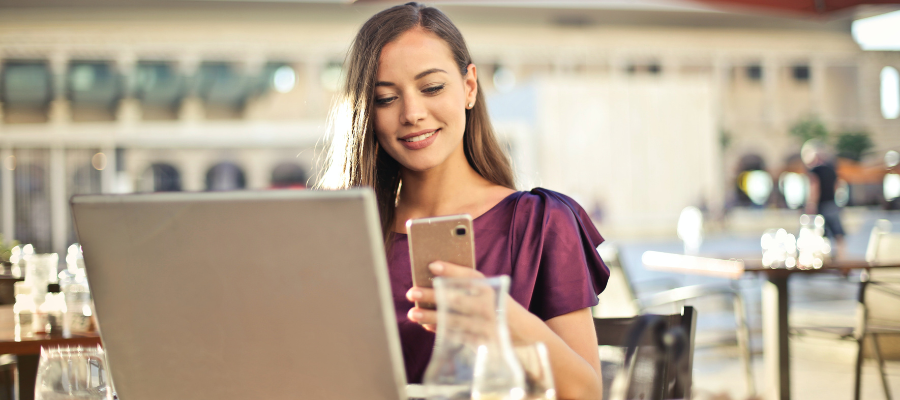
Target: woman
[413, 125]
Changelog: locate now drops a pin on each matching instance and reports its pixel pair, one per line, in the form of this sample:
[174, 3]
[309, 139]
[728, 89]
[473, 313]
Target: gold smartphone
[449, 239]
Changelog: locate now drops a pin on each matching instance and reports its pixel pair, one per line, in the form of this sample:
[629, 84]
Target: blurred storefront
[636, 111]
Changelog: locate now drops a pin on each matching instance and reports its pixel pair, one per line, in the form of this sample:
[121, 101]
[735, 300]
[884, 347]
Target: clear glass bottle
[23, 310]
[473, 356]
[77, 294]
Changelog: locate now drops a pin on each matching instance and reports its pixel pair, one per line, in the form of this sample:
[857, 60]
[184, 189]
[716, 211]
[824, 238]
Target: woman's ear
[471, 84]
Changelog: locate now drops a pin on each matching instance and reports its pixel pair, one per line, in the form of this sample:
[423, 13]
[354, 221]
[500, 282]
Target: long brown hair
[354, 157]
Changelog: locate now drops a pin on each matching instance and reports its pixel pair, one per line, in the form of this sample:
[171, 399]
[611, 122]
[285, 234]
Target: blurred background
[637, 109]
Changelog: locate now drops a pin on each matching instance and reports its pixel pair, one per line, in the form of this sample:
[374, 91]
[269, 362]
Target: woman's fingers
[443, 268]
[421, 294]
[422, 316]
[469, 310]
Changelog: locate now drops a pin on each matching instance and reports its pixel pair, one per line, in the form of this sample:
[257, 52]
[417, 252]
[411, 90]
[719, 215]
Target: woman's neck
[450, 188]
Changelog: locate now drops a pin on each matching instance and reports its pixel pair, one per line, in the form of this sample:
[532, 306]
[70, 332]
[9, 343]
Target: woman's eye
[385, 100]
[433, 89]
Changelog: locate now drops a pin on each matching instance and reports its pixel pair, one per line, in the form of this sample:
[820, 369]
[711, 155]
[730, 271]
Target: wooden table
[28, 350]
[776, 352]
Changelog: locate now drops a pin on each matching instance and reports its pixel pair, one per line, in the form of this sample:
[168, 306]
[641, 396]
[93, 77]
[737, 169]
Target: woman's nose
[413, 111]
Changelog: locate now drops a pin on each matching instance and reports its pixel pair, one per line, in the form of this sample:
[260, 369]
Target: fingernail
[415, 294]
[416, 315]
[436, 267]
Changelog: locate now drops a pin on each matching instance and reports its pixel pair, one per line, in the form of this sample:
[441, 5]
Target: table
[776, 352]
[28, 350]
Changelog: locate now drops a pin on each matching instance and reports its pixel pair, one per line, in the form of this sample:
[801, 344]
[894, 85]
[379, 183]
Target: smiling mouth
[420, 137]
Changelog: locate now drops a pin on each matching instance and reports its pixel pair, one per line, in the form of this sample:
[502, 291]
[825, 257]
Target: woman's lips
[422, 141]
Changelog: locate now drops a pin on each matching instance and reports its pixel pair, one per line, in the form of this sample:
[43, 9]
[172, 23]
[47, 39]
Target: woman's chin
[419, 165]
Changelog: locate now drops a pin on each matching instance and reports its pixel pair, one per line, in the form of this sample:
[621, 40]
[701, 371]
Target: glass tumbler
[72, 374]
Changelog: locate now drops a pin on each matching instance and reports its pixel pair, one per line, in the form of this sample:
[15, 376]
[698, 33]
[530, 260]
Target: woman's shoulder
[546, 201]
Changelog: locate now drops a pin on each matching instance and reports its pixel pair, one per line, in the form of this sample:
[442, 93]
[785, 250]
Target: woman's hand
[428, 318]
[570, 338]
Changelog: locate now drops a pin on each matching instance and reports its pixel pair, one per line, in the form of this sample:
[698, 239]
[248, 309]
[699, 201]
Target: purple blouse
[542, 239]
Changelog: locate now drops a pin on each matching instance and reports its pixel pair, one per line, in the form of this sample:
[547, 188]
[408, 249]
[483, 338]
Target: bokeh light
[284, 79]
[891, 186]
[795, 188]
[757, 185]
[890, 93]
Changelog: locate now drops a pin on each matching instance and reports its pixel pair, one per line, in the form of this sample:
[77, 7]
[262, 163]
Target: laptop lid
[239, 295]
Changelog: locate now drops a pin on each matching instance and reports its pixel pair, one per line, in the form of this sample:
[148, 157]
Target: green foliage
[853, 145]
[6, 249]
[809, 128]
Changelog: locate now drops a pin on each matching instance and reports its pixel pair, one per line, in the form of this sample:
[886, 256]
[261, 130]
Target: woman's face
[420, 100]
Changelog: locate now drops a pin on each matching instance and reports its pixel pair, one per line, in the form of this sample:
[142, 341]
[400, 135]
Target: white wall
[638, 149]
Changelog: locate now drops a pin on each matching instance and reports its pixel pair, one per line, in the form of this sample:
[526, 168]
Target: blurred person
[823, 182]
[416, 130]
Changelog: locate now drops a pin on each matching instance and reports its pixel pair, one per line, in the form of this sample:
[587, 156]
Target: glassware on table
[73, 374]
[538, 374]
[779, 249]
[473, 356]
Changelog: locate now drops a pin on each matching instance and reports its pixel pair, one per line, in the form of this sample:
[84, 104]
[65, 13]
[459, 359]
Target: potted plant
[6, 253]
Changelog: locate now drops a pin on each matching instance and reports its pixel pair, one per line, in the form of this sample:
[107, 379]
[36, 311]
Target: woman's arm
[570, 338]
[572, 346]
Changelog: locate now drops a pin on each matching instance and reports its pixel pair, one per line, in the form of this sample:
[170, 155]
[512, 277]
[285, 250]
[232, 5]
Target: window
[25, 91]
[800, 73]
[160, 177]
[83, 176]
[32, 194]
[160, 88]
[94, 89]
[288, 175]
[890, 93]
[754, 72]
[223, 89]
[651, 68]
[225, 176]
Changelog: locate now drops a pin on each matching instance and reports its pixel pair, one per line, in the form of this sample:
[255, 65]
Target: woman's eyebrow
[419, 76]
[429, 72]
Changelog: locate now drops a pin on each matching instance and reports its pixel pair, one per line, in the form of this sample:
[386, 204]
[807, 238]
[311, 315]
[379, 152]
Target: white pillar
[257, 168]
[721, 82]
[817, 81]
[617, 64]
[129, 110]
[770, 87]
[671, 67]
[866, 84]
[108, 174]
[312, 85]
[59, 215]
[60, 112]
[7, 195]
[191, 106]
[193, 166]
[1, 103]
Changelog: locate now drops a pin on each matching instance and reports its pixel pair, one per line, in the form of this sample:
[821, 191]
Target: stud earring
[470, 105]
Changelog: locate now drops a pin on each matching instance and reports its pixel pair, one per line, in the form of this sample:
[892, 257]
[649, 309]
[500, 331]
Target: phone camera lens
[460, 230]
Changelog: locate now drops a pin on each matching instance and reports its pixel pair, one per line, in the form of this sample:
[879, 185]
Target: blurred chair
[620, 300]
[8, 389]
[663, 374]
[879, 299]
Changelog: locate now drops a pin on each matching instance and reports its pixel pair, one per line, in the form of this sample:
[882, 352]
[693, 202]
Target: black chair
[670, 341]
[622, 299]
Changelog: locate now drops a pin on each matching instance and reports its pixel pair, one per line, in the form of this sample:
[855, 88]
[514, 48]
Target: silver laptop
[242, 295]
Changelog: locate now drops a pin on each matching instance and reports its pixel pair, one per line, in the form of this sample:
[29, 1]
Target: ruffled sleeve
[556, 260]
